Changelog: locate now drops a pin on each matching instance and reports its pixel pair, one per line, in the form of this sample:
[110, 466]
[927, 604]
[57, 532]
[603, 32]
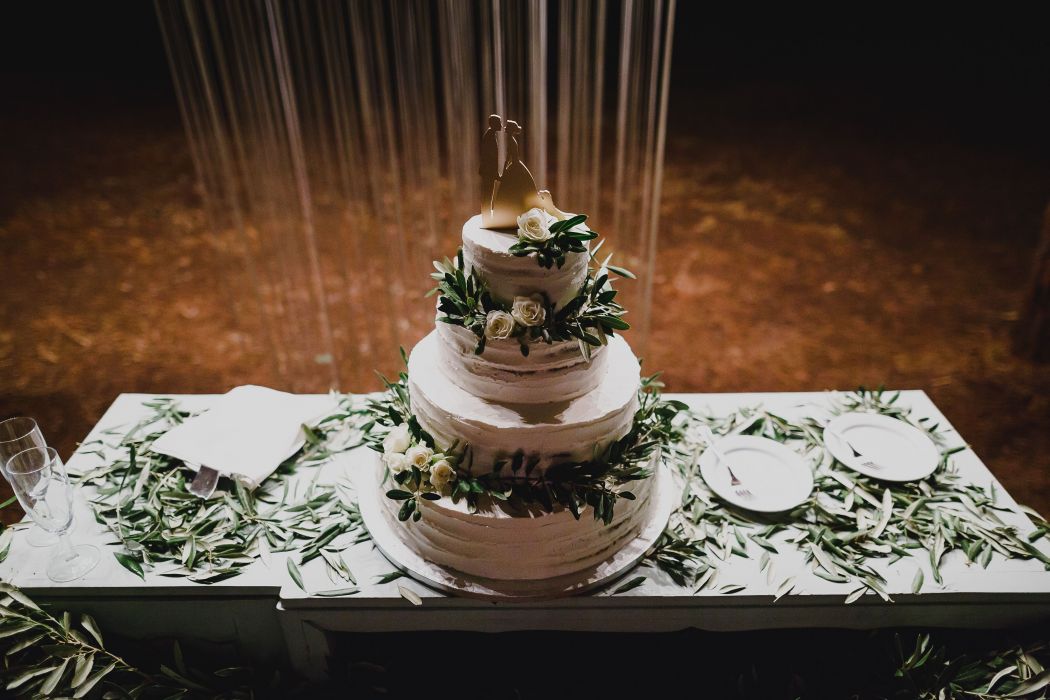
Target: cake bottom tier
[495, 543]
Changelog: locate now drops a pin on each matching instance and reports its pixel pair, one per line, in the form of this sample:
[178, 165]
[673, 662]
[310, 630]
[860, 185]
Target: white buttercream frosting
[488, 252]
[497, 543]
[494, 430]
[552, 404]
[550, 373]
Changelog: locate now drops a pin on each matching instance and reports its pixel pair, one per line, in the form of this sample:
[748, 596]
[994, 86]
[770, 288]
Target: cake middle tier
[551, 371]
[552, 432]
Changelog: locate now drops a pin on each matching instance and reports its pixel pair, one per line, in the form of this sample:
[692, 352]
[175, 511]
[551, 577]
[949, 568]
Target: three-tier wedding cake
[520, 444]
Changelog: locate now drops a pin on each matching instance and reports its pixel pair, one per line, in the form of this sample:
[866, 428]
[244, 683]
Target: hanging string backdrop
[337, 147]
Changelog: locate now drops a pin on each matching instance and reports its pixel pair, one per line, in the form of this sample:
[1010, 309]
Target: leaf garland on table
[591, 317]
[141, 496]
[597, 482]
[679, 555]
[930, 672]
[64, 656]
[850, 519]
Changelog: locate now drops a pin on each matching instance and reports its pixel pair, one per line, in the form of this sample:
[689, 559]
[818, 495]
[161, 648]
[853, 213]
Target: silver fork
[864, 461]
[742, 492]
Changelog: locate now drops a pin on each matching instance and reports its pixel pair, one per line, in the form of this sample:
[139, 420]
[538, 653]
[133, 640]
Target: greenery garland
[848, 521]
[591, 317]
[62, 655]
[46, 656]
[597, 482]
[141, 496]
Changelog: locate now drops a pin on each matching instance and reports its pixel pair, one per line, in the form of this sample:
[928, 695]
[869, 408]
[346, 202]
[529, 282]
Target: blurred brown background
[838, 210]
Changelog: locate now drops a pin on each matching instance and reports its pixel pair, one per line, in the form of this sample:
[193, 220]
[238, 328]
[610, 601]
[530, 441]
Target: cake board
[666, 494]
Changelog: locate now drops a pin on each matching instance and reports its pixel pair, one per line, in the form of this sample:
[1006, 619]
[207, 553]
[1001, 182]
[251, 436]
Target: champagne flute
[17, 434]
[39, 479]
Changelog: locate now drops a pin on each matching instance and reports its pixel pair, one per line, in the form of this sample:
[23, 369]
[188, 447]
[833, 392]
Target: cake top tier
[523, 270]
[507, 275]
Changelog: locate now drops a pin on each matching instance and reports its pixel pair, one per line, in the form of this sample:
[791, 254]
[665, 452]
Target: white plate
[901, 451]
[777, 478]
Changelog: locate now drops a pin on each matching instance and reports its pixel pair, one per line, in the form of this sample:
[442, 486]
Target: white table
[262, 612]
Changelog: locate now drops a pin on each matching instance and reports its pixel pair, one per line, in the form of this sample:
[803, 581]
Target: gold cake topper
[508, 193]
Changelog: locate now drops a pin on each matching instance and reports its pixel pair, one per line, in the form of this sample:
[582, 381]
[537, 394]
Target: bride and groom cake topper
[506, 193]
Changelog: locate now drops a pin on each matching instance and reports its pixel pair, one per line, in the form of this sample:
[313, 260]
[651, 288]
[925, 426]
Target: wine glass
[39, 479]
[17, 434]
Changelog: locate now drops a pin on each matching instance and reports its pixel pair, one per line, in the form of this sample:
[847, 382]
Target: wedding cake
[518, 445]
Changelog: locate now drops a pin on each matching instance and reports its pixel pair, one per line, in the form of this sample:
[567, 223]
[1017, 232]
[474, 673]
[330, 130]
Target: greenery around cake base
[598, 482]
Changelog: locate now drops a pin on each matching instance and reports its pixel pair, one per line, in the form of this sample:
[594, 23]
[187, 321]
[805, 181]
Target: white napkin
[245, 435]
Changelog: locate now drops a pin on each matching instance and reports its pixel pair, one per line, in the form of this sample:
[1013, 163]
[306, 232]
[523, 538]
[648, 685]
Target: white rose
[396, 461]
[499, 325]
[529, 311]
[398, 439]
[534, 225]
[442, 473]
[419, 456]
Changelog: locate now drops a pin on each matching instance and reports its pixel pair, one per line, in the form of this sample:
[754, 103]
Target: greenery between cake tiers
[591, 317]
[515, 479]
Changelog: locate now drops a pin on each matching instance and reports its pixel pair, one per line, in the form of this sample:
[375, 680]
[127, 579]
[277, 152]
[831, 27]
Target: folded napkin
[245, 435]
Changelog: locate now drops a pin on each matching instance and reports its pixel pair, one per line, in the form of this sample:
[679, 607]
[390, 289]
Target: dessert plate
[666, 496]
[756, 473]
[881, 447]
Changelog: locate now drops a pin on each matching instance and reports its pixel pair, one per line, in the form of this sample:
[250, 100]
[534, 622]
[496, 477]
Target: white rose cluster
[524, 311]
[396, 442]
[396, 461]
[398, 439]
[534, 225]
[400, 454]
[529, 311]
[419, 456]
[441, 474]
[499, 325]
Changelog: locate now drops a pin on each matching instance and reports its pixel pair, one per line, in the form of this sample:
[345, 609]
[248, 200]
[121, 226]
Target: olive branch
[49, 656]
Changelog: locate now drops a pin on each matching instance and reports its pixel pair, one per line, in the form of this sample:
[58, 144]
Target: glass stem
[65, 546]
